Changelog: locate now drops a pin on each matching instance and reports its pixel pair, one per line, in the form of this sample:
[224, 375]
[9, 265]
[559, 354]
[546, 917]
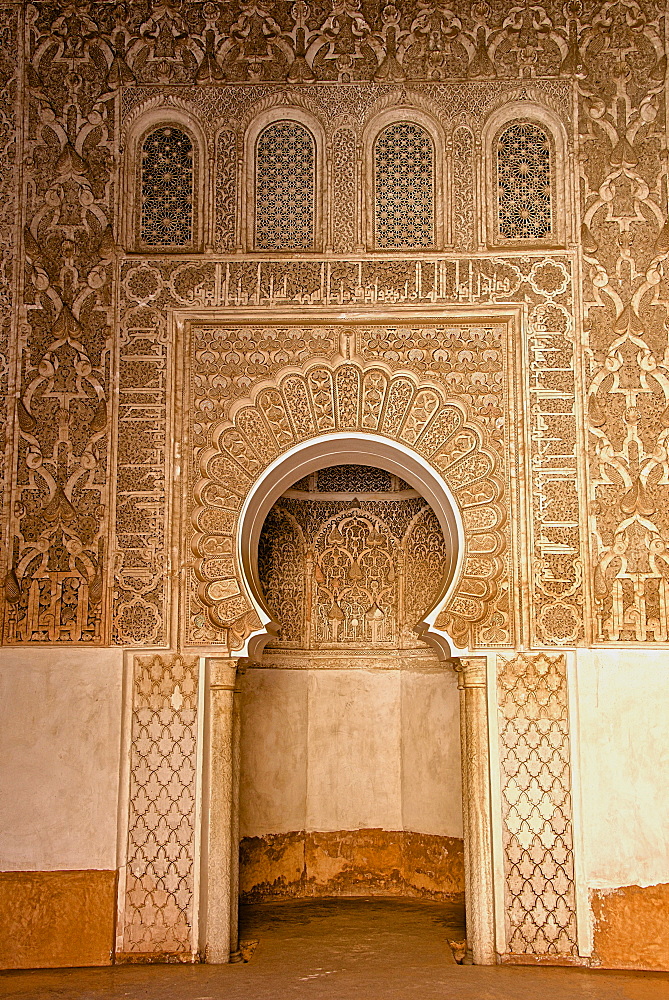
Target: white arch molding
[356, 448]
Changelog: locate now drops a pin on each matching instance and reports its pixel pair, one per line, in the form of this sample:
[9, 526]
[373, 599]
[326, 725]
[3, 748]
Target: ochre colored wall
[54, 919]
[351, 863]
[622, 698]
[631, 929]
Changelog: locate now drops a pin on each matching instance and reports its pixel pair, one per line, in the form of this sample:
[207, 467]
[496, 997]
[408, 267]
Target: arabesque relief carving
[10, 263]
[84, 561]
[350, 573]
[225, 361]
[622, 143]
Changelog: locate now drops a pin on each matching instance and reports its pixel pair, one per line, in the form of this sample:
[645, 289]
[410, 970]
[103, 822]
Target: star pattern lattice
[167, 188]
[524, 183]
[404, 188]
[285, 188]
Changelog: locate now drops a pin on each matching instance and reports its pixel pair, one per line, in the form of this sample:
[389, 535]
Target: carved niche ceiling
[342, 571]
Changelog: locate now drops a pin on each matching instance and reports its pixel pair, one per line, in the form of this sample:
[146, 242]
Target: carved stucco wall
[75, 555]
[96, 341]
[350, 573]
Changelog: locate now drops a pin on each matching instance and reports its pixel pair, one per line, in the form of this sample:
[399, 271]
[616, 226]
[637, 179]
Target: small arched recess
[284, 189]
[350, 448]
[524, 151]
[165, 161]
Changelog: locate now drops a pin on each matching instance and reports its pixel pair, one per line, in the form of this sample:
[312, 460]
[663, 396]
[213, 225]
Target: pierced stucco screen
[167, 188]
[524, 209]
[285, 188]
[404, 187]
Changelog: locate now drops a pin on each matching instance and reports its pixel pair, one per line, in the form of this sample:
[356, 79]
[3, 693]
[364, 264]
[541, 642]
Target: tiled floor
[349, 949]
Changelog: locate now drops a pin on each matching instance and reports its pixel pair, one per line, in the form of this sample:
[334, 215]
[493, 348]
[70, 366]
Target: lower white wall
[330, 749]
[60, 730]
[623, 718]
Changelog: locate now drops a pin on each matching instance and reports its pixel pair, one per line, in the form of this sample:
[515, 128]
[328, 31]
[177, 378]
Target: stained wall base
[351, 863]
[631, 927]
[56, 919]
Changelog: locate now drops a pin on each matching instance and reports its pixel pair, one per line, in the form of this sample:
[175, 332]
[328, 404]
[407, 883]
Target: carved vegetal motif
[281, 565]
[56, 585]
[349, 110]
[343, 185]
[9, 260]
[344, 41]
[156, 913]
[355, 573]
[226, 191]
[355, 568]
[81, 58]
[539, 895]
[624, 211]
[463, 189]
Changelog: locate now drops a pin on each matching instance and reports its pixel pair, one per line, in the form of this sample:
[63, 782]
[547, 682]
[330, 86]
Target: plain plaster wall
[60, 727]
[329, 749]
[623, 710]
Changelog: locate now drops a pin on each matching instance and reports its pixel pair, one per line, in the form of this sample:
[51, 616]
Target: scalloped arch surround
[326, 397]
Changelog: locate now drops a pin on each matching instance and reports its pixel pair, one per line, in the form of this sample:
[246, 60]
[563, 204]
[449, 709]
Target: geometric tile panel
[537, 840]
[158, 911]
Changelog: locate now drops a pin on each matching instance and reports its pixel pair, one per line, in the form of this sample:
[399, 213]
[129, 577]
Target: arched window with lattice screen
[167, 184]
[404, 200]
[285, 188]
[524, 189]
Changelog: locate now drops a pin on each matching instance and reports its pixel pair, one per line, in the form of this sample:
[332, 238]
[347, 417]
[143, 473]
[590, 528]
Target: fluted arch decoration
[354, 409]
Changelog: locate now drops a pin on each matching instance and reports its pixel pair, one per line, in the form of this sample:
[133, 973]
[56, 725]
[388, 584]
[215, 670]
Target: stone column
[218, 810]
[476, 810]
[235, 954]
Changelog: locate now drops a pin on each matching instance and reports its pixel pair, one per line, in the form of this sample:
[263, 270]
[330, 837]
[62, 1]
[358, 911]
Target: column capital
[221, 673]
[471, 671]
